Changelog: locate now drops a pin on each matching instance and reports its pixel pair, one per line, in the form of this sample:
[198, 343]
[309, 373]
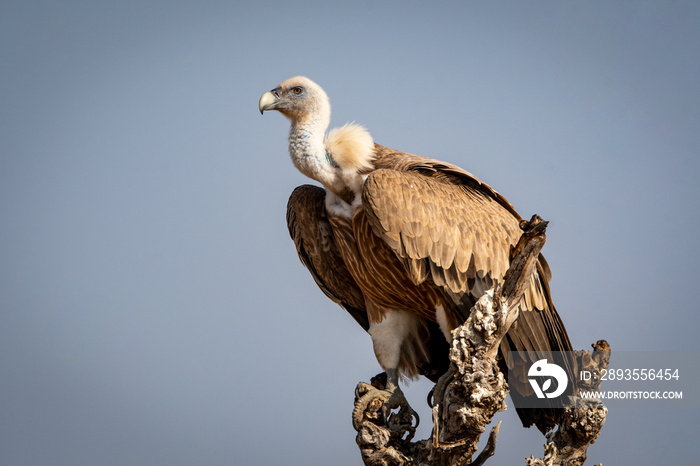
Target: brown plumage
[405, 243]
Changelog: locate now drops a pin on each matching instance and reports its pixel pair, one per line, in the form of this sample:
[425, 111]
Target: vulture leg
[396, 337]
[397, 398]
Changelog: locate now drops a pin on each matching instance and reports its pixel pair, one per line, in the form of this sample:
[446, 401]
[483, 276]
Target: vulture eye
[297, 90]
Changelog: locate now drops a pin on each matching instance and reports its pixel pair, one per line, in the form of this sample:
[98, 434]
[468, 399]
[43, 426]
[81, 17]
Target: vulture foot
[384, 404]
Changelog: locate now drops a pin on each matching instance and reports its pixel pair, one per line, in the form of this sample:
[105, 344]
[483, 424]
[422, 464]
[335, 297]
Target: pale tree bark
[474, 390]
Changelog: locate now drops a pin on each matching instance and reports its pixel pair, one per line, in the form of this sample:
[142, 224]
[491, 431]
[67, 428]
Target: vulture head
[337, 159]
[299, 99]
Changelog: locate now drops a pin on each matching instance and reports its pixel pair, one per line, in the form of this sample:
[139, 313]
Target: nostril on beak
[276, 92]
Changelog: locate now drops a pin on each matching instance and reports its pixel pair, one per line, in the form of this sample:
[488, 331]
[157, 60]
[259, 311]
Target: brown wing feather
[313, 236]
[461, 233]
[386, 277]
[318, 250]
[447, 225]
[385, 157]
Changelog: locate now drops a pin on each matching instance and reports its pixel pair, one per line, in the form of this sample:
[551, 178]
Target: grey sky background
[152, 306]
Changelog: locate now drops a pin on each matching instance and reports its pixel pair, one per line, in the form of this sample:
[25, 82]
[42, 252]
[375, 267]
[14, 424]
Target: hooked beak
[269, 100]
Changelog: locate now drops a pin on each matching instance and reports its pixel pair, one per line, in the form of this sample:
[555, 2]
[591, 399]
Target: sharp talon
[415, 414]
[438, 390]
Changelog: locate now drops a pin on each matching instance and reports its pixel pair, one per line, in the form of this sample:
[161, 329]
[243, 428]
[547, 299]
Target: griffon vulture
[406, 244]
